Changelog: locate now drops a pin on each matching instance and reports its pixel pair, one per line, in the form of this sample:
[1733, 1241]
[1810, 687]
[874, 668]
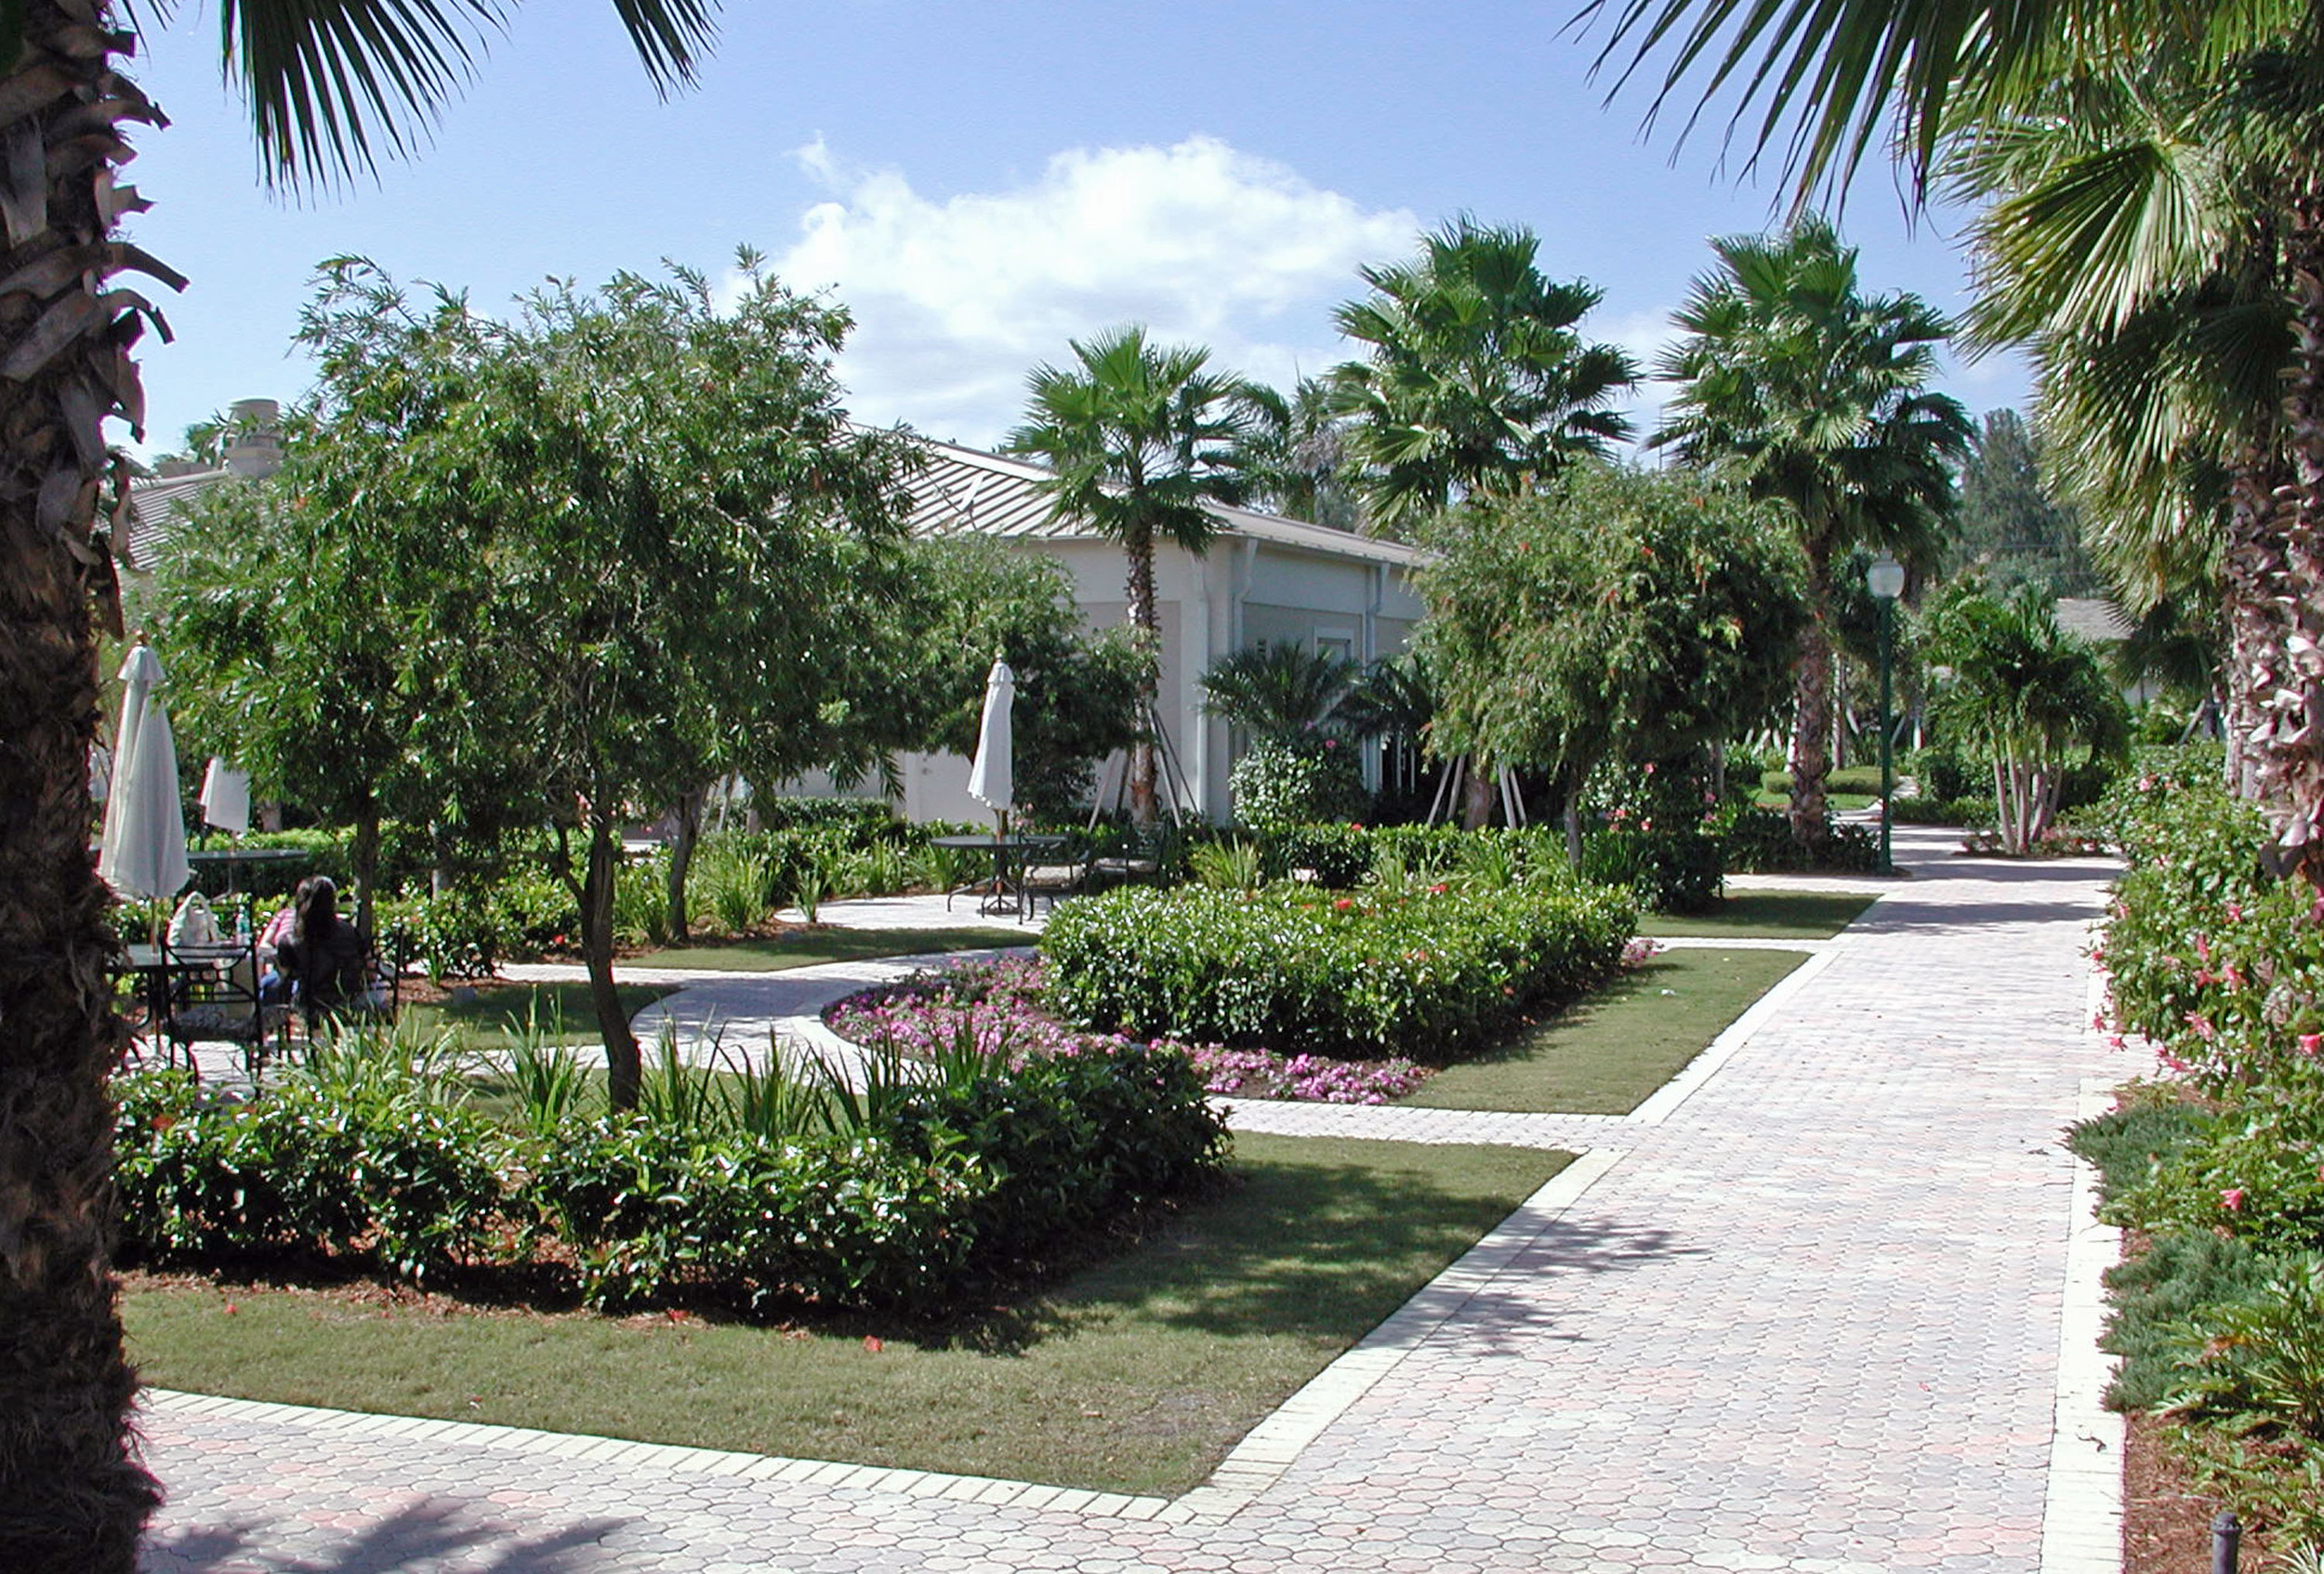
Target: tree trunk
[1145, 621]
[2291, 769]
[72, 1495]
[623, 1066]
[364, 857]
[2252, 573]
[687, 831]
[1476, 795]
[1810, 709]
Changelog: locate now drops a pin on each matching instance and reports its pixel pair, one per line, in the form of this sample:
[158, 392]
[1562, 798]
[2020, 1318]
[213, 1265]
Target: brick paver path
[1808, 1318]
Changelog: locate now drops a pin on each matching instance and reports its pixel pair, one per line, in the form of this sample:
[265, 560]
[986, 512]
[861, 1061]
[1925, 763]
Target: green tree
[2025, 695]
[630, 531]
[1143, 439]
[1300, 462]
[327, 85]
[1614, 614]
[1076, 699]
[1475, 378]
[1815, 398]
[2008, 524]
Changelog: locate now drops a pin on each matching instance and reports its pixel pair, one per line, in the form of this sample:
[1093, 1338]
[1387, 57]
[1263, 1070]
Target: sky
[978, 184]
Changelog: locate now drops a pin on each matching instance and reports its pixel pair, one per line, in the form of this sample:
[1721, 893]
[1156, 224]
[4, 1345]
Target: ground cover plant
[2221, 1171]
[1605, 1053]
[1134, 1374]
[1419, 971]
[753, 1190]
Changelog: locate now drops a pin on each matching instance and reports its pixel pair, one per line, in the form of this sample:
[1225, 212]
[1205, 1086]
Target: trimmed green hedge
[906, 1201]
[1422, 972]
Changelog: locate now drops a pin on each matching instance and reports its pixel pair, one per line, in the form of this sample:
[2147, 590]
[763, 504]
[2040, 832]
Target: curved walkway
[1814, 1309]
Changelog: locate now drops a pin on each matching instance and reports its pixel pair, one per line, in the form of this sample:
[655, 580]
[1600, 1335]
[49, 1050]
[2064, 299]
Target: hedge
[1421, 971]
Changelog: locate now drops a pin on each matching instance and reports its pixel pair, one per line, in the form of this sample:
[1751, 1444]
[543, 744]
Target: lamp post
[1886, 579]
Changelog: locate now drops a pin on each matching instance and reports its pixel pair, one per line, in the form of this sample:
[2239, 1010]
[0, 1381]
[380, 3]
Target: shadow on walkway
[420, 1535]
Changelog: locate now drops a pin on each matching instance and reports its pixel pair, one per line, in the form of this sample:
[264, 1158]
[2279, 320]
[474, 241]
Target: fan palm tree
[1141, 439]
[1475, 378]
[331, 87]
[2128, 238]
[1279, 692]
[1816, 397]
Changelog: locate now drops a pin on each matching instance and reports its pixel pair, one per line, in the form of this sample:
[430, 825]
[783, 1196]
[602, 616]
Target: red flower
[2232, 1199]
[1343, 903]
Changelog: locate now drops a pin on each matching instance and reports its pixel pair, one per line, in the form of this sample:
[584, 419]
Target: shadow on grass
[805, 948]
[419, 1535]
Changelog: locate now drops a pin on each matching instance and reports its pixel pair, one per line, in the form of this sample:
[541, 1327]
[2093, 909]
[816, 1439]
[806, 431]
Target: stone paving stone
[1809, 1319]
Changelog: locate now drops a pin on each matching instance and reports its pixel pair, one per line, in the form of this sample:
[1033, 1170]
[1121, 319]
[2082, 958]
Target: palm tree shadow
[418, 1535]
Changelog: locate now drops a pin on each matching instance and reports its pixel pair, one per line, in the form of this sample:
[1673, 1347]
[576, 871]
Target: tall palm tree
[1475, 378]
[1141, 438]
[1815, 397]
[331, 85]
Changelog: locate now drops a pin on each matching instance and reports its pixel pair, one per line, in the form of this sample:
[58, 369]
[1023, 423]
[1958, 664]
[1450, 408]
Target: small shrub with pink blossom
[995, 1008]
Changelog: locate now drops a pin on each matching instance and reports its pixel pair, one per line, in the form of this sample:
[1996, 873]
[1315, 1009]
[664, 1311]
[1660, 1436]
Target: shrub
[1760, 841]
[358, 1154]
[1297, 783]
[1336, 856]
[1679, 871]
[1422, 972]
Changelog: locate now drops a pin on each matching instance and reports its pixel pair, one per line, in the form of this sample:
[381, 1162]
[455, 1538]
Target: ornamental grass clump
[1422, 972]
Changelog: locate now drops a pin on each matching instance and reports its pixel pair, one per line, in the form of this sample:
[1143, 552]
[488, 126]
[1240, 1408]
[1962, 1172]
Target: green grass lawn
[1766, 914]
[1136, 1375]
[805, 948]
[1605, 1054]
[495, 1017]
[1837, 802]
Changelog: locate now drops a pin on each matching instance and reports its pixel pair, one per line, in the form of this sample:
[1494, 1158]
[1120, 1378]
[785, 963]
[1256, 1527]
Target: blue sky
[980, 182]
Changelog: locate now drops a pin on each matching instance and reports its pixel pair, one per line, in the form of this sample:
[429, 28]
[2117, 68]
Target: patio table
[1003, 892]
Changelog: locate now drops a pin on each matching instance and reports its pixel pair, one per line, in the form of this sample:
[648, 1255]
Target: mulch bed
[2166, 1525]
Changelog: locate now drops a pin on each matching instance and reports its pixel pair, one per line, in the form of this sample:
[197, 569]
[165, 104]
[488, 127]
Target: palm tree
[1475, 379]
[1279, 692]
[330, 86]
[1816, 397]
[1141, 439]
[2025, 693]
[2128, 236]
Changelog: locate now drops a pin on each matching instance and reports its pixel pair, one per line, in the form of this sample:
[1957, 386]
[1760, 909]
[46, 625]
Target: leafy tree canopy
[1617, 613]
[2006, 521]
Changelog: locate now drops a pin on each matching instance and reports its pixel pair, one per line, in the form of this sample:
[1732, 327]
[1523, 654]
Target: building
[1264, 580]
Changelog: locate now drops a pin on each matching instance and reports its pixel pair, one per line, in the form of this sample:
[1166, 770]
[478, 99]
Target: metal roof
[2093, 618]
[963, 490]
[156, 508]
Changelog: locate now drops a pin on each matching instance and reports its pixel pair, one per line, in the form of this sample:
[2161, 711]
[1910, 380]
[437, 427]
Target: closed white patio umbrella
[992, 774]
[143, 854]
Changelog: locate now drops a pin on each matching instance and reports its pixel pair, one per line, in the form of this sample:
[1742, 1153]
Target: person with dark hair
[324, 957]
[271, 985]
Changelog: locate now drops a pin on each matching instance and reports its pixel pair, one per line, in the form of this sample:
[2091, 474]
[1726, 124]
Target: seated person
[272, 987]
[323, 959]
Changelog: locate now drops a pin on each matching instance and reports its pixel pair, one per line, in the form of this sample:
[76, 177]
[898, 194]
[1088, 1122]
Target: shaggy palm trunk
[1811, 707]
[687, 831]
[2253, 572]
[1145, 618]
[2291, 771]
[72, 1495]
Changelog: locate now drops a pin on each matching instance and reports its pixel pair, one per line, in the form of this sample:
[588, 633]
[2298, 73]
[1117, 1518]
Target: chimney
[254, 442]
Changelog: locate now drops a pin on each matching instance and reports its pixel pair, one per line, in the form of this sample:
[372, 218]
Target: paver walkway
[1808, 1314]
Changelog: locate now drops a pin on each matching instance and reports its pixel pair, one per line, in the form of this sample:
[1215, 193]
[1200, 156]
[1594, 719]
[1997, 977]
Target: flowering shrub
[995, 1009]
[1424, 972]
[1313, 781]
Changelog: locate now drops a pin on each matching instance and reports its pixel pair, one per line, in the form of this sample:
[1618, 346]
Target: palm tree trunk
[2253, 573]
[2291, 769]
[72, 1495]
[1145, 621]
[1811, 709]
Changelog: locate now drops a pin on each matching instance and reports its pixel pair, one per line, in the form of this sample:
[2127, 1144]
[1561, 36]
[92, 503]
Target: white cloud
[955, 301]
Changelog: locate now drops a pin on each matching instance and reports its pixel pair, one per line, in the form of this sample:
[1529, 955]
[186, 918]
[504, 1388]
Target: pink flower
[2235, 912]
[2232, 1199]
[2312, 1043]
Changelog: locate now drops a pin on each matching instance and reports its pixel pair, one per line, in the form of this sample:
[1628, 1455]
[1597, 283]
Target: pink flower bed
[996, 1008]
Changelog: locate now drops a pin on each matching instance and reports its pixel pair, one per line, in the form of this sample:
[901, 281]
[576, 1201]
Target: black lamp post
[1886, 579]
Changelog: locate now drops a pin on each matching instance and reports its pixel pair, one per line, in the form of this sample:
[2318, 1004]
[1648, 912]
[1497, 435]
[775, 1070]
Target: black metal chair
[211, 997]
